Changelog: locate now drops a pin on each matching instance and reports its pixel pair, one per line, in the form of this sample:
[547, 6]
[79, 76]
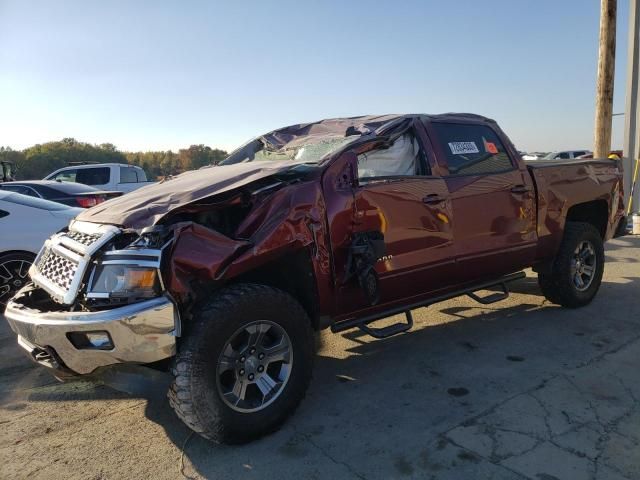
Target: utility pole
[632, 108]
[606, 70]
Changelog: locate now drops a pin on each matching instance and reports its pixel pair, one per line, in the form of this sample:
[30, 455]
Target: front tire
[244, 364]
[577, 270]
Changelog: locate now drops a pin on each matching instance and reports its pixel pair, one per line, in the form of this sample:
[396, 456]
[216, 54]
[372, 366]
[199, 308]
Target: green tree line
[38, 161]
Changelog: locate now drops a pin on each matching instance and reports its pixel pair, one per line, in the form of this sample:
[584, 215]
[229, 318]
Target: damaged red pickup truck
[229, 270]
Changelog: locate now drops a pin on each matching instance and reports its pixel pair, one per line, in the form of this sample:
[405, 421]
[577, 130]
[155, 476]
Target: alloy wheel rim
[254, 366]
[13, 276]
[583, 266]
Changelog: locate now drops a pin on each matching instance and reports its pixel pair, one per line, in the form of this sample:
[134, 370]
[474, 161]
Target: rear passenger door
[492, 197]
[94, 176]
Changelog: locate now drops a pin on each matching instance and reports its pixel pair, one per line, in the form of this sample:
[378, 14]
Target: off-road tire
[194, 394]
[557, 285]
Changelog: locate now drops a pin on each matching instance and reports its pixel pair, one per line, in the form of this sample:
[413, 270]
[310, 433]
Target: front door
[398, 195]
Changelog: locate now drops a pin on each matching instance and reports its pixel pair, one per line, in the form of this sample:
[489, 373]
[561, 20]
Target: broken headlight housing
[125, 276]
[125, 280]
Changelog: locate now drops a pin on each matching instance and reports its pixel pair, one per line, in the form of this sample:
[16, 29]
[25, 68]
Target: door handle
[520, 189]
[432, 199]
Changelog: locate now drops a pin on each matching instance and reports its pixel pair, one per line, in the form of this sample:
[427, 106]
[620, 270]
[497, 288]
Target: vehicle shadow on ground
[389, 394]
[394, 394]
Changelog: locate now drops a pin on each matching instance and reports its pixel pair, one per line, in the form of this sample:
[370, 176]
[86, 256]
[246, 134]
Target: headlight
[113, 281]
[125, 276]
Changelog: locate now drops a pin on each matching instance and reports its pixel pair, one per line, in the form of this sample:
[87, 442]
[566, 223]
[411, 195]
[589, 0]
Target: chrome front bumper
[142, 332]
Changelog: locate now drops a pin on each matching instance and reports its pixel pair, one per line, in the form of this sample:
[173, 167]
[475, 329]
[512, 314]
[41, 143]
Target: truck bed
[596, 183]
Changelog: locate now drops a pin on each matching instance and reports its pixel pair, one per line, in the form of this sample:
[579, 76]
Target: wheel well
[595, 213]
[292, 273]
[20, 252]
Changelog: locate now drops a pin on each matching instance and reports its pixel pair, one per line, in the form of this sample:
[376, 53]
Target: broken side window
[399, 159]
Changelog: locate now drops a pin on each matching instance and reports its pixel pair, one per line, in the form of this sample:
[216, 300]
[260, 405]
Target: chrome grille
[86, 239]
[61, 265]
[57, 269]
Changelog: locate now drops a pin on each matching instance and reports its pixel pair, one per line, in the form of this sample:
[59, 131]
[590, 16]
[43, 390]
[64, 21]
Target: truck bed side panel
[562, 185]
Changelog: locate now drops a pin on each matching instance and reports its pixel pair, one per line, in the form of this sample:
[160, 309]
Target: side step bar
[389, 330]
[396, 328]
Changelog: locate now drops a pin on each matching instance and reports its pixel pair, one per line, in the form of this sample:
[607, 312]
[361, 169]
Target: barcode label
[458, 148]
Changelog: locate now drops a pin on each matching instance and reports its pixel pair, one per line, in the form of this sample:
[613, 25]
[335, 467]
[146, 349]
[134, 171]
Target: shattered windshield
[260, 151]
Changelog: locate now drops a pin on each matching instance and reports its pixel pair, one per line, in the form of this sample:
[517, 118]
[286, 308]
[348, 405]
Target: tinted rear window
[93, 176]
[472, 149]
[142, 177]
[128, 175]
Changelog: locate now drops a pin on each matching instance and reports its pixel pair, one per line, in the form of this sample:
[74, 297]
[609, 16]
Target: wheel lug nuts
[261, 356]
[251, 376]
[261, 369]
[252, 351]
[242, 359]
[241, 372]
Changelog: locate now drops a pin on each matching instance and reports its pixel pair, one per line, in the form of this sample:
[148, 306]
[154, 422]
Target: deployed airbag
[399, 159]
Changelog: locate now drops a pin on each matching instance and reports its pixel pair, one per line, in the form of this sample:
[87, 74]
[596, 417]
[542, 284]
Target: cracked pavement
[520, 389]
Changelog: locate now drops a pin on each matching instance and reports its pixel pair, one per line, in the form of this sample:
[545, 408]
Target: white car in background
[25, 222]
[565, 154]
[115, 177]
[533, 155]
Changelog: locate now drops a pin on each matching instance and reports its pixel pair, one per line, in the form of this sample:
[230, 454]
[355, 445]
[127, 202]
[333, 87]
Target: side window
[93, 176]
[563, 155]
[142, 177]
[401, 159]
[472, 149]
[128, 175]
[66, 176]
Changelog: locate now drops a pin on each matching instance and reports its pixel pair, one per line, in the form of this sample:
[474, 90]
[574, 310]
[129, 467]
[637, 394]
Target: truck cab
[105, 176]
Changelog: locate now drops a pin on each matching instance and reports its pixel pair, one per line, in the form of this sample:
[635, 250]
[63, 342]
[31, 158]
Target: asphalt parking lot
[519, 389]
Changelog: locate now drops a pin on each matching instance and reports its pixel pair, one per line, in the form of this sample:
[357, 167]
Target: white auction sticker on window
[459, 148]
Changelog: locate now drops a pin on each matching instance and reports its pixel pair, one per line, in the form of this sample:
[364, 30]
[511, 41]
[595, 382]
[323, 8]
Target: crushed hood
[148, 205]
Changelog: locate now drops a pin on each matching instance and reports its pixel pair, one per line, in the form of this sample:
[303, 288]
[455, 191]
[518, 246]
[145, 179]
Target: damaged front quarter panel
[290, 218]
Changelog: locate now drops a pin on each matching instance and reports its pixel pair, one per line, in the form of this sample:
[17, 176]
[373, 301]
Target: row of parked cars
[30, 211]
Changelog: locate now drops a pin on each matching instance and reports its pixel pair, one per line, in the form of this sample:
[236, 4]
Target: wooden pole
[632, 110]
[604, 86]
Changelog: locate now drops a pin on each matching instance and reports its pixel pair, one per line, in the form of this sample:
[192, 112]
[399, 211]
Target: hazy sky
[149, 75]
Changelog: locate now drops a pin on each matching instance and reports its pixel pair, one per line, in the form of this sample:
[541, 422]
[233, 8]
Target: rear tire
[242, 333]
[14, 274]
[576, 273]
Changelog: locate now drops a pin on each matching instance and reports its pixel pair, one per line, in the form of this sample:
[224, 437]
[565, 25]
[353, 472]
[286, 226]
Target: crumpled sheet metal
[148, 205]
[290, 220]
[198, 255]
[304, 133]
